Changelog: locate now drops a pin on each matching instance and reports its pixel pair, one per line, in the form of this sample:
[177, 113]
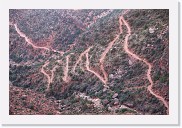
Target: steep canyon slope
[89, 61]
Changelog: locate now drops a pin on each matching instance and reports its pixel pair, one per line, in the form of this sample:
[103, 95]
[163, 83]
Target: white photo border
[171, 119]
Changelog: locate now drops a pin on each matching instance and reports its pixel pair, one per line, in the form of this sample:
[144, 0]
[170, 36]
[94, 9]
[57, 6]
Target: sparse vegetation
[47, 44]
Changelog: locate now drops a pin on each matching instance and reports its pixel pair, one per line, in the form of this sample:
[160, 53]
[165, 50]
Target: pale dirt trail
[146, 62]
[105, 79]
[107, 50]
[54, 69]
[120, 26]
[66, 78]
[27, 39]
[79, 59]
[48, 77]
[88, 68]
[52, 73]
[103, 57]
[87, 64]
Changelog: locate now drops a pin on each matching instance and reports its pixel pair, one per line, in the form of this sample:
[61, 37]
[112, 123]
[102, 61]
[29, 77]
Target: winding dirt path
[107, 50]
[49, 79]
[88, 65]
[65, 78]
[145, 61]
[27, 39]
[95, 73]
[79, 59]
[102, 58]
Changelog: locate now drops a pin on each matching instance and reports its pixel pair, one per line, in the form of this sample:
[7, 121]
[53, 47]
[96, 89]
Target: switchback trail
[21, 34]
[87, 64]
[102, 58]
[79, 59]
[107, 50]
[88, 67]
[50, 78]
[145, 61]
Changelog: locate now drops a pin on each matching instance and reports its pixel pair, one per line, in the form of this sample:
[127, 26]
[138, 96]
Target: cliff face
[89, 61]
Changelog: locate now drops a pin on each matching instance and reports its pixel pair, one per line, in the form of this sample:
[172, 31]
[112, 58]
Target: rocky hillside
[89, 62]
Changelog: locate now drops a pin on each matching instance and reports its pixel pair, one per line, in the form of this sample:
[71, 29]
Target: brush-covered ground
[71, 62]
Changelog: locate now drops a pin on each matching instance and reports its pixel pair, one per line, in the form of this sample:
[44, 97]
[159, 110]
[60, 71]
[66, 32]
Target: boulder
[115, 95]
[105, 102]
[111, 76]
[130, 62]
[116, 101]
[129, 104]
[105, 89]
[24, 97]
[109, 108]
[151, 30]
